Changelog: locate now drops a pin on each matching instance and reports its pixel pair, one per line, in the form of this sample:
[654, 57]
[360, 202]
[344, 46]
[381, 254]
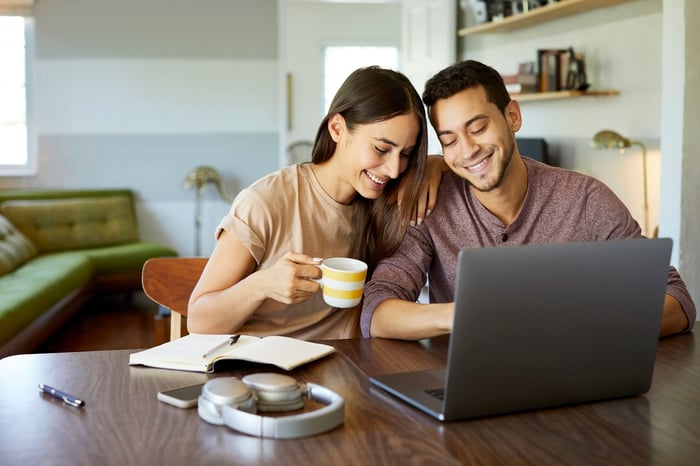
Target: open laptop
[545, 325]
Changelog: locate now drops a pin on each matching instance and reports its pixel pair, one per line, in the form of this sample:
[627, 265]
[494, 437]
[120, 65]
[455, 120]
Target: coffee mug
[343, 281]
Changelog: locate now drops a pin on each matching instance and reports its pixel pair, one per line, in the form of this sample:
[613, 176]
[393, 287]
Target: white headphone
[233, 402]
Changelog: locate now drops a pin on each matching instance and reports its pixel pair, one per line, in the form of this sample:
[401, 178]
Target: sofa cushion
[30, 290]
[66, 224]
[125, 257]
[15, 248]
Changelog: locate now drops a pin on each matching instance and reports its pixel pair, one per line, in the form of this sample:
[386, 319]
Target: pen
[68, 399]
[233, 339]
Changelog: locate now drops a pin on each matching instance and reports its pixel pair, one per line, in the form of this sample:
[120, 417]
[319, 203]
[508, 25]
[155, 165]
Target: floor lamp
[607, 139]
[198, 178]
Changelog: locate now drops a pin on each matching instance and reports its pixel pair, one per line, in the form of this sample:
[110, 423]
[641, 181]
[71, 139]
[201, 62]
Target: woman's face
[371, 155]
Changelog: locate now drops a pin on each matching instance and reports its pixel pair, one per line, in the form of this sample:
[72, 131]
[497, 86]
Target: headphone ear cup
[275, 392]
[224, 391]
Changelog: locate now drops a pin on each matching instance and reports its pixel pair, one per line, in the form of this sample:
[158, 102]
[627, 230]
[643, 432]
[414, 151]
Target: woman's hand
[288, 280]
[429, 188]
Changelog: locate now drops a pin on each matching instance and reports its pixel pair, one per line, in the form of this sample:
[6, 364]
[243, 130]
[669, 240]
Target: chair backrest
[169, 281]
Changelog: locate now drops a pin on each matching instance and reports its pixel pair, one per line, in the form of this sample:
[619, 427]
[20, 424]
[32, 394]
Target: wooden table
[124, 424]
[661, 427]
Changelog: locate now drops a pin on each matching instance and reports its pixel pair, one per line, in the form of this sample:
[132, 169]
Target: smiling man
[493, 196]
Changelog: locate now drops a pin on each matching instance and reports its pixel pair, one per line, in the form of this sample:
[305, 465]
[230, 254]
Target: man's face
[477, 140]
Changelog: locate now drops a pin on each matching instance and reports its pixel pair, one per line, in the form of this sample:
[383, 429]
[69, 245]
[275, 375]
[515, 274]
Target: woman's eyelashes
[407, 154]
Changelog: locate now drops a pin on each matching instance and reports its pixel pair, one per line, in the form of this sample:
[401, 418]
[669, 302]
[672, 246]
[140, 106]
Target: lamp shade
[199, 177]
[608, 139]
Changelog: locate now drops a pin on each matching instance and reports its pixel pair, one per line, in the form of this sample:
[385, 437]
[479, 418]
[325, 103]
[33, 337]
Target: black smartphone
[183, 397]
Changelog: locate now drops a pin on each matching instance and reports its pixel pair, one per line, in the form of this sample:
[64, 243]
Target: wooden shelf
[539, 15]
[529, 97]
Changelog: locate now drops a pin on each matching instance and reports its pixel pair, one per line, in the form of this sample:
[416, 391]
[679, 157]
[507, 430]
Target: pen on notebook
[68, 399]
[232, 339]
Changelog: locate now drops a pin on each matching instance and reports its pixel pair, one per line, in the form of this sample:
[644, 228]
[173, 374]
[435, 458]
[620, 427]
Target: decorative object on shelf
[476, 11]
[576, 72]
[549, 11]
[498, 10]
[608, 139]
[524, 6]
[198, 178]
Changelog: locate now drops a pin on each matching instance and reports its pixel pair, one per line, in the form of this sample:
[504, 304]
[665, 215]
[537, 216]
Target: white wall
[314, 25]
[622, 48]
[680, 170]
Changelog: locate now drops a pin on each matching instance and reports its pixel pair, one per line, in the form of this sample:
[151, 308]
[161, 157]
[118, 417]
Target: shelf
[529, 97]
[539, 15]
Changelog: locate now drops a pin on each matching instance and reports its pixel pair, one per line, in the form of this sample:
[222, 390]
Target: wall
[680, 170]
[310, 26]
[132, 93]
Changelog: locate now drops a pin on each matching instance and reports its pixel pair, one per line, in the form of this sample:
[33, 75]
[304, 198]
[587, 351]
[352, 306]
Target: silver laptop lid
[551, 324]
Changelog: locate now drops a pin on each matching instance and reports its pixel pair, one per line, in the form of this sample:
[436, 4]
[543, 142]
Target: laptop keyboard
[438, 393]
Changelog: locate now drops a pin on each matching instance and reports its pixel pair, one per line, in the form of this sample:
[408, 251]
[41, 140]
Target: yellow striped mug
[343, 281]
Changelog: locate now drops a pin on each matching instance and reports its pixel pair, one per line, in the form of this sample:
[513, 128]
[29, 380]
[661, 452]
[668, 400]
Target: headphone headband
[281, 427]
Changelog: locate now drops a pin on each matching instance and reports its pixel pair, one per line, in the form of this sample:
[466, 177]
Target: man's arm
[673, 319]
[611, 220]
[398, 278]
[396, 318]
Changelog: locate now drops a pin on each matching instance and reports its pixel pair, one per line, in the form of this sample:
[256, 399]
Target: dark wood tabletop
[661, 427]
[123, 423]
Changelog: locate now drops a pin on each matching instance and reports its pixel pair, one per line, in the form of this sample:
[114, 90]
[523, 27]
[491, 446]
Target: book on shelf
[518, 88]
[187, 353]
[521, 83]
[552, 73]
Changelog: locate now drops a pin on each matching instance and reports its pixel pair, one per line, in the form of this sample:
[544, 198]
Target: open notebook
[186, 353]
[546, 325]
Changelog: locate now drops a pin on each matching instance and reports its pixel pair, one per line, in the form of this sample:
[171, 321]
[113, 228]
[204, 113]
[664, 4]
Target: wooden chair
[169, 281]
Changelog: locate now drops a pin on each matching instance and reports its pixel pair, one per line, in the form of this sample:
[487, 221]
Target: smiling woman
[259, 279]
[16, 143]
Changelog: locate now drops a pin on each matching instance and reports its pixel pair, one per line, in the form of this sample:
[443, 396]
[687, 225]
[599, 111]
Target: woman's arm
[230, 289]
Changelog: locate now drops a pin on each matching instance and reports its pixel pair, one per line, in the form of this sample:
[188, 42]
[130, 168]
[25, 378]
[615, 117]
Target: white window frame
[31, 166]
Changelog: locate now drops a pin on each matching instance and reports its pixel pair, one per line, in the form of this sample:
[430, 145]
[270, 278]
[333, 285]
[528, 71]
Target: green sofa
[57, 247]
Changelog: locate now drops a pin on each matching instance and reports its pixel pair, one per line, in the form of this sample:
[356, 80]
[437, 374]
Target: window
[17, 154]
[339, 62]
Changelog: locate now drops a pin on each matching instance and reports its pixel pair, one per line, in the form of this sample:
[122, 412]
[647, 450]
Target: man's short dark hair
[464, 75]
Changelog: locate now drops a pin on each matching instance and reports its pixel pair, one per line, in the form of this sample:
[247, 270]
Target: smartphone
[183, 397]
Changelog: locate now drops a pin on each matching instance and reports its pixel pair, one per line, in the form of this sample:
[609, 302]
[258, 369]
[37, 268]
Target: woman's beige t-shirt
[288, 210]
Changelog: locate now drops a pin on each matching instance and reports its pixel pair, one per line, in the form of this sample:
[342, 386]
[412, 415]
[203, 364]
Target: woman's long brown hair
[370, 95]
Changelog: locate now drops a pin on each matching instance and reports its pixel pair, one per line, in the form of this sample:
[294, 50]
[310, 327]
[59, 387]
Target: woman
[258, 280]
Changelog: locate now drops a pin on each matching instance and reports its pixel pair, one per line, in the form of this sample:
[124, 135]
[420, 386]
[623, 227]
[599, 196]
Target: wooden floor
[110, 322]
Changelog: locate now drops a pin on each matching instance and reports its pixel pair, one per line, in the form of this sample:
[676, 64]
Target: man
[492, 196]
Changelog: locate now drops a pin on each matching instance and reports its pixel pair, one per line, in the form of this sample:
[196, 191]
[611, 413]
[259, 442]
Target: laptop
[544, 325]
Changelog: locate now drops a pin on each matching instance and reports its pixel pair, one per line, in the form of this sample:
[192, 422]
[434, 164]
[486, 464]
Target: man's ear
[513, 115]
[336, 126]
